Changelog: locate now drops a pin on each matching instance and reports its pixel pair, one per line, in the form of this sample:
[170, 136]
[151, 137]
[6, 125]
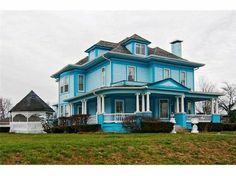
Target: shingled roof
[120, 48]
[32, 102]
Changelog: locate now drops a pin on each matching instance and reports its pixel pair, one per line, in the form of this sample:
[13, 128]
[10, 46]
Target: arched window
[34, 118]
[19, 118]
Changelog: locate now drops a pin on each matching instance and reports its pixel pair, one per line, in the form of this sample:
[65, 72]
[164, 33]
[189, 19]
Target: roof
[120, 48]
[32, 102]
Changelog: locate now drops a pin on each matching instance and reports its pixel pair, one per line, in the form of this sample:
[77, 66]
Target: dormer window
[140, 49]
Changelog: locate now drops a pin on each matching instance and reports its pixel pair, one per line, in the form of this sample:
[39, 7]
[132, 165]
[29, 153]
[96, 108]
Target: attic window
[140, 49]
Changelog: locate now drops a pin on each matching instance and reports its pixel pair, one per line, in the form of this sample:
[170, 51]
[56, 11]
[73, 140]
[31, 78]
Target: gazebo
[28, 114]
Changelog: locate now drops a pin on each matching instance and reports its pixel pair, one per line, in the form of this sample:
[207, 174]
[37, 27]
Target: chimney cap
[176, 41]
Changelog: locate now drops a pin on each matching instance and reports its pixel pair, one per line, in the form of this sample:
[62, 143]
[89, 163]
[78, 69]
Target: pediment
[168, 84]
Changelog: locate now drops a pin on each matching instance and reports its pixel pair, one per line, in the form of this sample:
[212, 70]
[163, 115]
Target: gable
[168, 84]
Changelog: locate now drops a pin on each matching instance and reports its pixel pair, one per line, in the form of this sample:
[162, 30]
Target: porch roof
[165, 87]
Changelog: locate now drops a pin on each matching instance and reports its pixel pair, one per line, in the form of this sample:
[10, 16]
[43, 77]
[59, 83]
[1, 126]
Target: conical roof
[32, 102]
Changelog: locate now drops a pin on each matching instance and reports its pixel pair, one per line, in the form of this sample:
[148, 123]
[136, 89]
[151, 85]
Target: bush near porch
[132, 148]
[216, 127]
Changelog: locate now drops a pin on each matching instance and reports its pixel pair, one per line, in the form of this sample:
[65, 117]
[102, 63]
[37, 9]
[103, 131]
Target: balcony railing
[201, 118]
[116, 117]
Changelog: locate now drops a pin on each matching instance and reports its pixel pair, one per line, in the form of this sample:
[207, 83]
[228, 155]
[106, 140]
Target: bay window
[64, 84]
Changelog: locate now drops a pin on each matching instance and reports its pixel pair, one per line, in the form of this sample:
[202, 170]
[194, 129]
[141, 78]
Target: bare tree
[205, 85]
[5, 106]
[228, 101]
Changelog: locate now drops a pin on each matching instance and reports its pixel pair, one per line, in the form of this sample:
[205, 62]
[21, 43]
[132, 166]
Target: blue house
[129, 78]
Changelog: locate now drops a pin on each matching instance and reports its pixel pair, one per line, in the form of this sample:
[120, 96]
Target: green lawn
[100, 148]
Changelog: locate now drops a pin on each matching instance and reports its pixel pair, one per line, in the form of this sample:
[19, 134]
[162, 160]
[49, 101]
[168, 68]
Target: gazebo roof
[32, 102]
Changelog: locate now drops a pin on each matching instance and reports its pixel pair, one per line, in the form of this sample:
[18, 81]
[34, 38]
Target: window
[140, 49]
[166, 73]
[81, 82]
[64, 84]
[119, 106]
[62, 111]
[67, 110]
[131, 73]
[103, 76]
[183, 78]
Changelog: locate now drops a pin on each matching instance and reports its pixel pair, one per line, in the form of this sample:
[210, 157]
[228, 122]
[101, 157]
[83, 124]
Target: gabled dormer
[99, 48]
[137, 45]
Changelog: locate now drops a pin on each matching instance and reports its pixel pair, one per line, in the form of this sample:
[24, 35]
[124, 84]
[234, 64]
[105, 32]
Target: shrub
[4, 129]
[57, 129]
[232, 116]
[156, 127]
[209, 127]
[89, 128]
[229, 126]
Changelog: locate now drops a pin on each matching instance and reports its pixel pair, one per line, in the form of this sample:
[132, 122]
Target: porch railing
[201, 118]
[116, 117]
[92, 119]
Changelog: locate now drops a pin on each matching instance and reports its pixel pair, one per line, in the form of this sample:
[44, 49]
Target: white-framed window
[119, 106]
[103, 73]
[67, 110]
[62, 111]
[64, 84]
[166, 73]
[183, 78]
[81, 82]
[131, 73]
[140, 49]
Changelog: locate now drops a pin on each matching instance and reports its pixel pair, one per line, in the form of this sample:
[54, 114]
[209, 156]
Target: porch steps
[114, 127]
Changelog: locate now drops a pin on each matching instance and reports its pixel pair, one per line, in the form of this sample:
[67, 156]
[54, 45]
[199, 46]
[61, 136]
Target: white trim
[134, 72]
[123, 105]
[167, 108]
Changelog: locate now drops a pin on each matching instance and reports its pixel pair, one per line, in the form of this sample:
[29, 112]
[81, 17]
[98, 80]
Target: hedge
[75, 129]
[156, 127]
[216, 127]
[4, 129]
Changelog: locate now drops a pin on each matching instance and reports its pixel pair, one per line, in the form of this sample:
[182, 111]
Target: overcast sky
[34, 44]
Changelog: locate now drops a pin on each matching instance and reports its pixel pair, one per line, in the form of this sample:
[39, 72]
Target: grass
[101, 148]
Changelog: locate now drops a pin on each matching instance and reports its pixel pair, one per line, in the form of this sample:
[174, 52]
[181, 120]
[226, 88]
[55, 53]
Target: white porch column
[137, 102]
[85, 106]
[103, 103]
[212, 106]
[177, 104]
[143, 103]
[148, 102]
[82, 101]
[182, 104]
[98, 105]
[217, 106]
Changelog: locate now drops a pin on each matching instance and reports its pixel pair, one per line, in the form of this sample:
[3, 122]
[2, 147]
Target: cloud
[36, 44]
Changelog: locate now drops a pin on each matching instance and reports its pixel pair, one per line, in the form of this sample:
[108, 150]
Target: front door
[164, 109]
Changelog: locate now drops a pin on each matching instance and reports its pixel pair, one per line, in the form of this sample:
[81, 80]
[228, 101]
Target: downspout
[110, 68]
